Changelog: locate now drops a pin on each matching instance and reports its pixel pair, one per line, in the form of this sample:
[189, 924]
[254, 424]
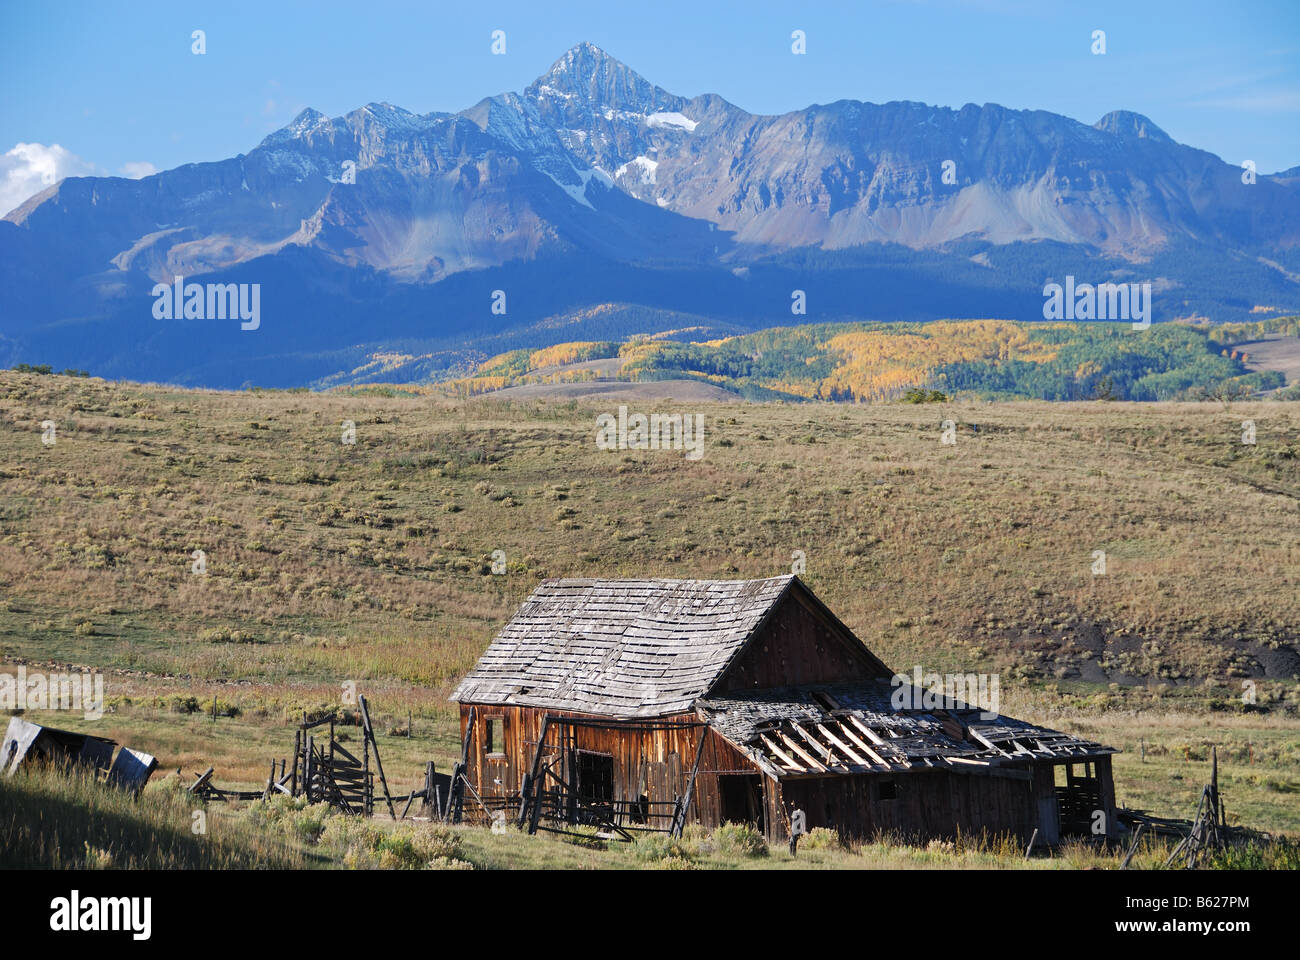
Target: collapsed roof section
[830, 729]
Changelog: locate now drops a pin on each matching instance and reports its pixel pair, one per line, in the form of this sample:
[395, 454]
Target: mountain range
[394, 245]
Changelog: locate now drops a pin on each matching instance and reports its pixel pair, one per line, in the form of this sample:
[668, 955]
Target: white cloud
[29, 168]
[138, 169]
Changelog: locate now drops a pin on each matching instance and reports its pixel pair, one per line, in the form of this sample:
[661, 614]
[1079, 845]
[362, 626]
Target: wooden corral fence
[328, 773]
[323, 770]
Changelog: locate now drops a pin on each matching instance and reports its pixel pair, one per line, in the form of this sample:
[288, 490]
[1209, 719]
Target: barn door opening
[742, 799]
[594, 781]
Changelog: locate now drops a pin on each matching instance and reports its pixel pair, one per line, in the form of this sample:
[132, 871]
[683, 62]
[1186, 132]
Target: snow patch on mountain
[579, 191]
[671, 119]
[547, 90]
[645, 165]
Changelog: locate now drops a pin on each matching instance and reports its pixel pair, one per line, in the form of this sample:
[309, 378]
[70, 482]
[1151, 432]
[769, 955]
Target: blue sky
[118, 89]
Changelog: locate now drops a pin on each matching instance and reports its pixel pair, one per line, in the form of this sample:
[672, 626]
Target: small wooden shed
[646, 704]
[26, 742]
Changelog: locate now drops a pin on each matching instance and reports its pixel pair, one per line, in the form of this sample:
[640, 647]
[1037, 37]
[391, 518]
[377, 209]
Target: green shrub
[820, 838]
[278, 809]
[739, 839]
[917, 395]
[676, 863]
[226, 635]
[399, 851]
[308, 825]
[660, 846]
[448, 863]
[415, 849]
[1277, 854]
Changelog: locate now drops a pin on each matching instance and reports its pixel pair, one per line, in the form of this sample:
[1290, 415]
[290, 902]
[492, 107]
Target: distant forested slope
[884, 361]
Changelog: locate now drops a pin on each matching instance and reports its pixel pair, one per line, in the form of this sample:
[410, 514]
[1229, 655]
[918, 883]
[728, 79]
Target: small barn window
[492, 729]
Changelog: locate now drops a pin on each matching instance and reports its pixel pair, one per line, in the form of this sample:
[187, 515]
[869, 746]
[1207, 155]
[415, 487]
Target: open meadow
[328, 566]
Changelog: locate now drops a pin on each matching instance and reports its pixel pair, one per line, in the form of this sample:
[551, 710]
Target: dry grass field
[370, 563]
[1275, 353]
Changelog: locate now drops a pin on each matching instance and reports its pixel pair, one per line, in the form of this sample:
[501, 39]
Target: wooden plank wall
[926, 803]
[798, 645]
[1049, 810]
[1107, 779]
[656, 763]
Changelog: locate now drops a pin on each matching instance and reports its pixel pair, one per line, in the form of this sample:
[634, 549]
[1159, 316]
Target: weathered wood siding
[1107, 777]
[657, 764]
[654, 763]
[1049, 811]
[925, 803]
[798, 644]
[929, 803]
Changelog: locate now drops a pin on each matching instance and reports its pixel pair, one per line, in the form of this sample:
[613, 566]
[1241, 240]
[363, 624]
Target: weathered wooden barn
[647, 704]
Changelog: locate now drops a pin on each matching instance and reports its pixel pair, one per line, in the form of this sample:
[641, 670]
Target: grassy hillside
[328, 562]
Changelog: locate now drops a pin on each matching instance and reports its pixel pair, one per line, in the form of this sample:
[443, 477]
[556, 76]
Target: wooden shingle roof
[622, 648]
